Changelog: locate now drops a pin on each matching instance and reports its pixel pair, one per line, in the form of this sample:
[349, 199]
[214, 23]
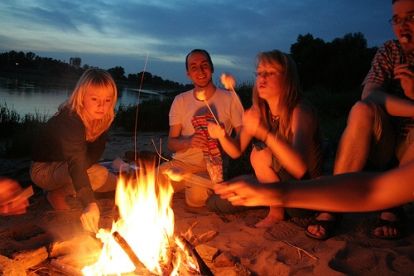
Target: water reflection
[26, 97]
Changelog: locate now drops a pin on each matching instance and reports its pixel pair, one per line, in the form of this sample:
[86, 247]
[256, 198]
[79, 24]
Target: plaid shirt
[386, 59]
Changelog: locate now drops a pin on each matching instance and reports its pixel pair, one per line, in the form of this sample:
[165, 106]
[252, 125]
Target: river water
[29, 98]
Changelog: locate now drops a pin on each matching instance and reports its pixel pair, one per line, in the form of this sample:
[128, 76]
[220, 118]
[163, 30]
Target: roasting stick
[201, 96]
[179, 175]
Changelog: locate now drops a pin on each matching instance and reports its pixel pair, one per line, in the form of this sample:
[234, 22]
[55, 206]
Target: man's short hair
[201, 51]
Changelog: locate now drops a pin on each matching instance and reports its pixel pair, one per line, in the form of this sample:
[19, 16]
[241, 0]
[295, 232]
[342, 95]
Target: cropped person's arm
[351, 192]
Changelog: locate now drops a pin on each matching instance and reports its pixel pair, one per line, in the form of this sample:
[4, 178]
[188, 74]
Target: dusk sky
[109, 33]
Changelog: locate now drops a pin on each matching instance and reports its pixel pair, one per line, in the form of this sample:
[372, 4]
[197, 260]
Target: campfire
[142, 237]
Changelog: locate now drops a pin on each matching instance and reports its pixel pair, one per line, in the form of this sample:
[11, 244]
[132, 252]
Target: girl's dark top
[63, 139]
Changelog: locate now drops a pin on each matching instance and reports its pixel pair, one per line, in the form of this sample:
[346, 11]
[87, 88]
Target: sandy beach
[283, 249]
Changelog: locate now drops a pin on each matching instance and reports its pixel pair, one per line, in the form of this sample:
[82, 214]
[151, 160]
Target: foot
[270, 220]
[387, 226]
[318, 228]
[57, 200]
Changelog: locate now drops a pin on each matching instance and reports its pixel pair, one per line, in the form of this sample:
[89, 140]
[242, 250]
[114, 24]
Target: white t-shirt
[225, 105]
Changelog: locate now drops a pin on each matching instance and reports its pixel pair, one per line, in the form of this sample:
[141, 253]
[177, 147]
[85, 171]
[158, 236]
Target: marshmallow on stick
[201, 96]
[228, 81]
[405, 38]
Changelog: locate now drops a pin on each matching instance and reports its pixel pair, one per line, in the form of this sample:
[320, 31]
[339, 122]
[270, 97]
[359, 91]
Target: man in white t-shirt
[188, 145]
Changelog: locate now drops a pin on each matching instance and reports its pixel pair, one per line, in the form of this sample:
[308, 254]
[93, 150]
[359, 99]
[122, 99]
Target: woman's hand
[90, 218]
[10, 203]
[215, 131]
[252, 124]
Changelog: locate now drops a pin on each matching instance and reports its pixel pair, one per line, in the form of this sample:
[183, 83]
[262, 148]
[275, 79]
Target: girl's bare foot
[57, 199]
[275, 215]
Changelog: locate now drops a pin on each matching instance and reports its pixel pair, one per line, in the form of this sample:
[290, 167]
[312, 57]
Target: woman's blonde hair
[290, 87]
[93, 79]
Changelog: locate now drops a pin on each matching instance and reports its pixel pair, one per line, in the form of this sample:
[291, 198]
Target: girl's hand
[251, 121]
[90, 218]
[9, 189]
[215, 131]
[252, 124]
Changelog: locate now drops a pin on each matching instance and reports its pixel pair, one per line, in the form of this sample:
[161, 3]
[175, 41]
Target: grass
[16, 132]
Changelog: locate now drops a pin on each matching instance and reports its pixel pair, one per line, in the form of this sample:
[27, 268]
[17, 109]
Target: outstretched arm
[352, 192]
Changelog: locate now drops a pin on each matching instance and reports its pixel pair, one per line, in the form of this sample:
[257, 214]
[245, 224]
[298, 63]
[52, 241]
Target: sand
[283, 249]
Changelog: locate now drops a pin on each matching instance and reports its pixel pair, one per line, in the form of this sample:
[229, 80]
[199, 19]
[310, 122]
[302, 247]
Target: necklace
[274, 118]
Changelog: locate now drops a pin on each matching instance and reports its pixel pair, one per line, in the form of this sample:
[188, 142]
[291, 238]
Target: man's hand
[10, 202]
[90, 218]
[246, 190]
[198, 140]
[406, 77]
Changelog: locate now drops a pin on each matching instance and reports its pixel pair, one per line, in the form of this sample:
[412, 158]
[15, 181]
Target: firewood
[207, 252]
[22, 262]
[225, 259]
[60, 266]
[204, 269]
[81, 245]
[127, 249]
[31, 258]
[205, 237]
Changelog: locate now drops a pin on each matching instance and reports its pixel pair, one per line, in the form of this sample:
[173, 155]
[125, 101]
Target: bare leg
[354, 146]
[57, 198]
[262, 165]
[352, 154]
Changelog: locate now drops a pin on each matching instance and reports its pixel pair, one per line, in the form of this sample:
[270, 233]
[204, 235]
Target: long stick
[137, 110]
[211, 111]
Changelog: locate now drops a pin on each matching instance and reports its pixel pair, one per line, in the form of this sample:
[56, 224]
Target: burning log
[22, 262]
[127, 249]
[204, 269]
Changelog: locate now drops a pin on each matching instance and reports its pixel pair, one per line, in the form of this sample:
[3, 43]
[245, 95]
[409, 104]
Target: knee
[362, 115]
[98, 176]
[197, 196]
[261, 159]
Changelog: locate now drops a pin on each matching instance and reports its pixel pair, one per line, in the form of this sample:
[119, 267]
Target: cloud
[233, 31]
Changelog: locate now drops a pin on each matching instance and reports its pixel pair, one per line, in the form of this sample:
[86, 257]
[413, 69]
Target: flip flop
[398, 225]
[329, 226]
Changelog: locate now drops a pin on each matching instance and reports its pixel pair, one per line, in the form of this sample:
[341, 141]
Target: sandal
[328, 225]
[397, 224]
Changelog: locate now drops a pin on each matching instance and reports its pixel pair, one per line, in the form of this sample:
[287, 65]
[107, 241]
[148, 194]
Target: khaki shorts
[54, 175]
[195, 195]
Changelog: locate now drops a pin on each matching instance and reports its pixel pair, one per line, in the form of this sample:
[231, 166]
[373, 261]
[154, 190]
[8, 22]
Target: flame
[146, 222]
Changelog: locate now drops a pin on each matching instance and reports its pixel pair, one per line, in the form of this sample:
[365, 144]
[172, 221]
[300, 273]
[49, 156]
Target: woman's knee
[261, 158]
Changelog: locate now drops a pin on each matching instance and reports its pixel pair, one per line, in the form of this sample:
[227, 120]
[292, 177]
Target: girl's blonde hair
[93, 79]
[290, 87]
